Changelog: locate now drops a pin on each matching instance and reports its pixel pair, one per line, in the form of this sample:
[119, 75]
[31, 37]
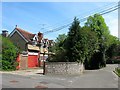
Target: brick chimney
[5, 33]
[40, 36]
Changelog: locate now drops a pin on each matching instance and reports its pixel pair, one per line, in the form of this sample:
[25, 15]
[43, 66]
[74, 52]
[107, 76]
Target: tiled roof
[26, 35]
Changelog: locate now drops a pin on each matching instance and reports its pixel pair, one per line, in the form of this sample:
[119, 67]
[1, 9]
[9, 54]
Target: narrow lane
[103, 78]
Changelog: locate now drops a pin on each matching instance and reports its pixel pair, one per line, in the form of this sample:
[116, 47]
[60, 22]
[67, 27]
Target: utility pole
[44, 52]
[42, 27]
[119, 21]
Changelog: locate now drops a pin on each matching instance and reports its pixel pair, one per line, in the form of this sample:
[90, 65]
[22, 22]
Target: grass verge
[117, 71]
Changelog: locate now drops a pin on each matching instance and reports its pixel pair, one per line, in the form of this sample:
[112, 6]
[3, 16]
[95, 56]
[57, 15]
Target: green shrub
[9, 54]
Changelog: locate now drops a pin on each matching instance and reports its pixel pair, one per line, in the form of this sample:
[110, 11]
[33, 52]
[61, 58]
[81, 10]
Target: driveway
[103, 78]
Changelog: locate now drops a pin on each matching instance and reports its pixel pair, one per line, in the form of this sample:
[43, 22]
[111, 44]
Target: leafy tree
[86, 44]
[98, 25]
[59, 42]
[113, 52]
[70, 42]
[81, 43]
[114, 43]
[9, 54]
[89, 45]
[58, 49]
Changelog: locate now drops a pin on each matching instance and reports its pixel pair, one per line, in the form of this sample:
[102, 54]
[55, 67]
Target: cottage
[33, 46]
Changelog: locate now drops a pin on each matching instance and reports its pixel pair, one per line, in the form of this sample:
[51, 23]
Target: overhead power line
[108, 10]
[66, 21]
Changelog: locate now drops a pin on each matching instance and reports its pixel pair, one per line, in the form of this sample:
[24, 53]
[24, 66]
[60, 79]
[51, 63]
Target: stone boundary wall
[63, 68]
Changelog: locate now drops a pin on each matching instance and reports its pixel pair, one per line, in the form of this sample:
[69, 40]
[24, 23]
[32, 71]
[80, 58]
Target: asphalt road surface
[103, 78]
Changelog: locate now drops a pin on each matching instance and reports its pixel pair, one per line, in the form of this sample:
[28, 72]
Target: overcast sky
[45, 16]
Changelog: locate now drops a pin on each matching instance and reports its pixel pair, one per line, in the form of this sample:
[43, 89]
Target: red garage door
[32, 61]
